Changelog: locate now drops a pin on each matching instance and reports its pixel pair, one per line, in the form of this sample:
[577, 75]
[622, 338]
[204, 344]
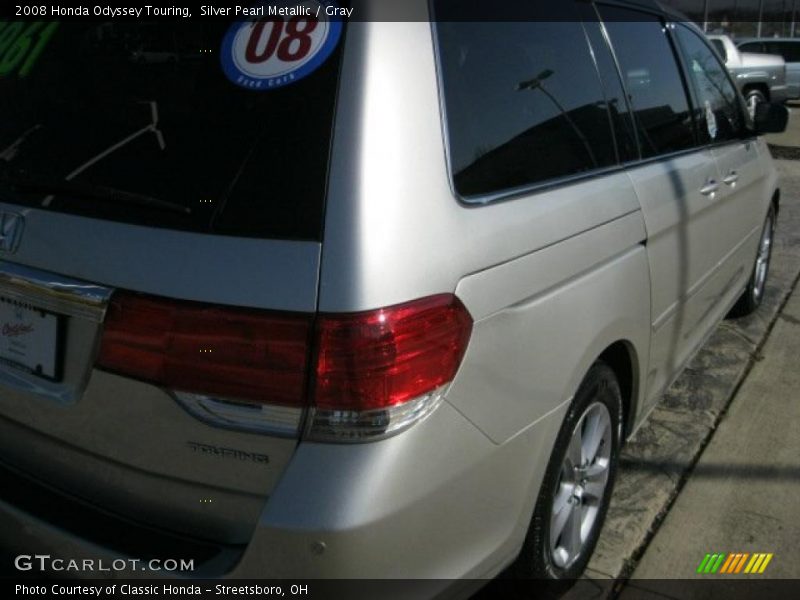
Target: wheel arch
[761, 87]
[622, 358]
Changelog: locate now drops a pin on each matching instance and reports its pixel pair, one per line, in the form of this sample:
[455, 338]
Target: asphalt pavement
[735, 519]
[743, 495]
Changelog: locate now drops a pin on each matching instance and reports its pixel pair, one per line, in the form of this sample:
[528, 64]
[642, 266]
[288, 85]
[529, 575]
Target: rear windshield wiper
[86, 190]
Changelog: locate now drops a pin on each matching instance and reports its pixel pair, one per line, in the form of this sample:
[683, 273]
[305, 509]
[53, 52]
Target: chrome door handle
[710, 188]
[731, 178]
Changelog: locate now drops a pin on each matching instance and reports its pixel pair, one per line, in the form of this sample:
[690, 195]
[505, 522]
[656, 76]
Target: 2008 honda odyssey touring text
[295, 297]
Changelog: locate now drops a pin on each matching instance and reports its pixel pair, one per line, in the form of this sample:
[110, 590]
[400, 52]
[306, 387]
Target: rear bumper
[440, 501]
[46, 529]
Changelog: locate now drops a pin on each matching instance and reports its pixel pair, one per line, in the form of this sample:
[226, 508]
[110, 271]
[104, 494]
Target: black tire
[753, 294]
[538, 560]
[753, 97]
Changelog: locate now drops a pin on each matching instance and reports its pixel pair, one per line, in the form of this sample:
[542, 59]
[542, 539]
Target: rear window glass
[756, 47]
[790, 51]
[96, 116]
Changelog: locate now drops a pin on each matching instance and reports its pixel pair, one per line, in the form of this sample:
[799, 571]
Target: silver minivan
[368, 299]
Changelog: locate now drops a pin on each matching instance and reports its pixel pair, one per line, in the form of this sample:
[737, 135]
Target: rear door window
[653, 80]
[135, 109]
[790, 51]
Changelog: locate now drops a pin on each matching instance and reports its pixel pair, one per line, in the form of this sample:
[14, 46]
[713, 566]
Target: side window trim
[443, 120]
[618, 70]
[603, 91]
[688, 84]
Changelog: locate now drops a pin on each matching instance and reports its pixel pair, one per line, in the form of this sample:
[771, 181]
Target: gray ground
[744, 493]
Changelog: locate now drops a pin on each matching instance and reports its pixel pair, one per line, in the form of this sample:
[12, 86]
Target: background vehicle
[760, 77]
[391, 318]
[788, 48]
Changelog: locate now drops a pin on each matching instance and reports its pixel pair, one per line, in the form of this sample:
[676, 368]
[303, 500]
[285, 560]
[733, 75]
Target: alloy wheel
[581, 489]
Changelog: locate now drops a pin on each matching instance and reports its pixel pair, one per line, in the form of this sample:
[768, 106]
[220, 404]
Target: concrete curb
[659, 458]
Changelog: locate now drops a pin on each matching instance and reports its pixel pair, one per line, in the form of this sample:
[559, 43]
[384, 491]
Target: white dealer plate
[29, 338]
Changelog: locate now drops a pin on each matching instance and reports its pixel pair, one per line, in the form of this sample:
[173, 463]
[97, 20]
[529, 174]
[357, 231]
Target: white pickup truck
[760, 77]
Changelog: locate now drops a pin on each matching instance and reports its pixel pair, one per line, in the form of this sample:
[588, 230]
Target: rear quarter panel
[551, 277]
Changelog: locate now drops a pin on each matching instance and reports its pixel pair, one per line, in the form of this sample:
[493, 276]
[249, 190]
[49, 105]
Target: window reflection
[719, 111]
[652, 80]
[524, 104]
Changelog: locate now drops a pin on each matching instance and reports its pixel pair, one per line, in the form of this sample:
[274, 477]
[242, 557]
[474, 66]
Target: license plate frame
[31, 339]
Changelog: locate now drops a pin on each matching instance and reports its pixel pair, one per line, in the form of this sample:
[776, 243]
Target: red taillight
[383, 358]
[374, 372]
[192, 347]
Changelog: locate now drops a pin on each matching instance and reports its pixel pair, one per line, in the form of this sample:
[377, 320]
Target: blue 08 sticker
[289, 41]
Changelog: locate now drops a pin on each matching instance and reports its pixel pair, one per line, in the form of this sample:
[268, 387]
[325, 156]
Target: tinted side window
[790, 51]
[755, 47]
[652, 79]
[524, 104]
[720, 47]
[719, 116]
[621, 117]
